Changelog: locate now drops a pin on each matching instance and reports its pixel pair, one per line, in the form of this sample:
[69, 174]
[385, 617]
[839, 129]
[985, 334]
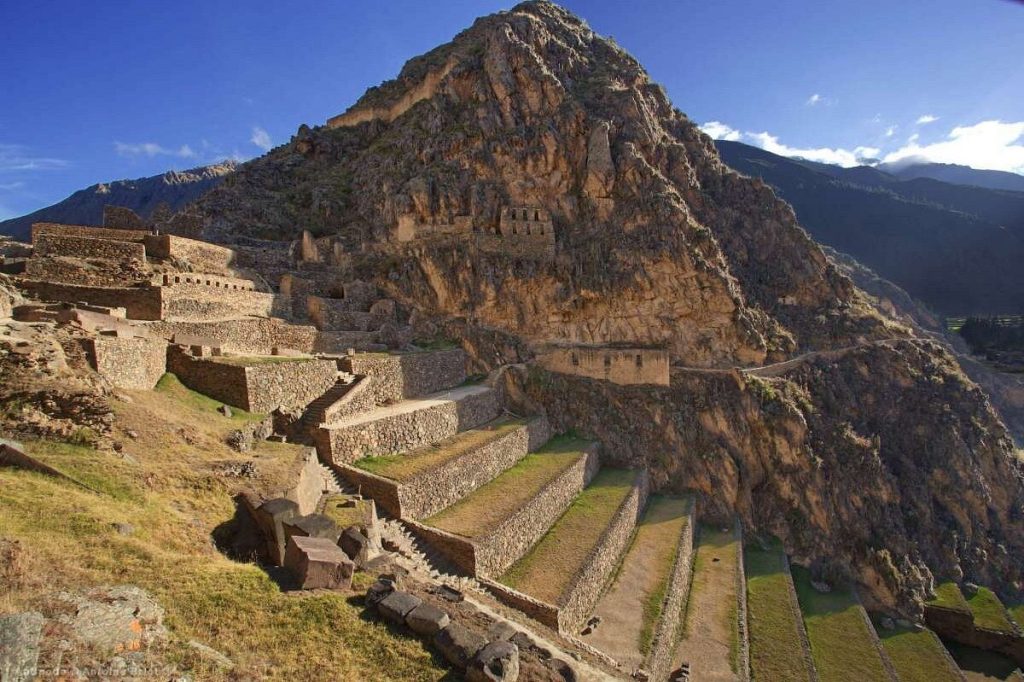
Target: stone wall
[959, 626]
[201, 256]
[403, 430]
[408, 375]
[619, 365]
[217, 380]
[432, 491]
[80, 272]
[578, 601]
[140, 303]
[517, 534]
[127, 362]
[457, 550]
[131, 254]
[336, 313]
[384, 491]
[409, 228]
[39, 229]
[542, 612]
[172, 279]
[663, 644]
[260, 335]
[212, 302]
[292, 384]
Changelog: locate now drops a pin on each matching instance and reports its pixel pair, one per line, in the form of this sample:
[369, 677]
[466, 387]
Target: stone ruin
[522, 231]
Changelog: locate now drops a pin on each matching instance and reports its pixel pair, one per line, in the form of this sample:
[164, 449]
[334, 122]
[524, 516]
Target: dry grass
[659, 530]
[170, 491]
[407, 466]
[546, 570]
[490, 504]
[776, 652]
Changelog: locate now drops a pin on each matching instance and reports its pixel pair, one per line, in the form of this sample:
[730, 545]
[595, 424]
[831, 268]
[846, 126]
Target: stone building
[625, 366]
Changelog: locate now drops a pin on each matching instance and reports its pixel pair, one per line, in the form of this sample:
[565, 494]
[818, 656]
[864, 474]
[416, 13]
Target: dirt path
[711, 612]
[647, 565]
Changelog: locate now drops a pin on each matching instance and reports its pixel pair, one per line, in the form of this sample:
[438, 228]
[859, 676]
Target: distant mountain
[85, 207]
[957, 175]
[957, 248]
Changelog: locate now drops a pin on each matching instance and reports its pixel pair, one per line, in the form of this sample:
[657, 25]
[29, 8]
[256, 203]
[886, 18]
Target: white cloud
[813, 99]
[926, 119]
[989, 144]
[11, 186]
[890, 131]
[151, 149]
[261, 138]
[16, 157]
[837, 156]
[720, 131]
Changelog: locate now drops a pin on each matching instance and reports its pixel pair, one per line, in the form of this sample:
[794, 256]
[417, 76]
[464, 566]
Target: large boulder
[271, 517]
[496, 662]
[427, 620]
[397, 605]
[458, 644]
[19, 646]
[318, 563]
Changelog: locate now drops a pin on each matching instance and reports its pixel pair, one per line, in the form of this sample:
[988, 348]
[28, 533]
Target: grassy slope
[492, 503]
[170, 492]
[841, 644]
[949, 596]
[988, 611]
[547, 569]
[775, 649]
[917, 656]
[405, 466]
[721, 545]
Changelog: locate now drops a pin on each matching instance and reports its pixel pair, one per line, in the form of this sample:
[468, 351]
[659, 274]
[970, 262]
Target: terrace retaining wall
[128, 253]
[502, 547]
[259, 335]
[127, 362]
[404, 431]
[140, 303]
[663, 643]
[959, 626]
[409, 375]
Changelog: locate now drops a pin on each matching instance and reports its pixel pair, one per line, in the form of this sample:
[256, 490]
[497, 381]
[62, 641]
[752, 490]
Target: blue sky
[91, 92]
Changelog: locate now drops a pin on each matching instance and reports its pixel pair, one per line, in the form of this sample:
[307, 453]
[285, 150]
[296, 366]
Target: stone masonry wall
[517, 534]
[458, 550]
[81, 272]
[140, 303]
[128, 253]
[334, 313]
[201, 302]
[217, 380]
[259, 335]
[384, 491]
[579, 600]
[663, 643]
[542, 612]
[39, 229]
[619, 365]
[434, 490]
[405, 430]
[960, 627]
[293, 384]
[409, 375]
[201, 256]
[133, 363]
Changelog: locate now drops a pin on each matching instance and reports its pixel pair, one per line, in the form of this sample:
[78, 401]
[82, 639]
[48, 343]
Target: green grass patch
[1017, 613]
[711, 614]
[546, 570]
[486, 507]
[988, 611]
[949, 596]
[776, 652]
[407, 466]
[917, 656]
[172, 388]
[841, 644]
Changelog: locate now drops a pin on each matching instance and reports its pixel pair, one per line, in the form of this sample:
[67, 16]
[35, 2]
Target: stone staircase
[316, 412]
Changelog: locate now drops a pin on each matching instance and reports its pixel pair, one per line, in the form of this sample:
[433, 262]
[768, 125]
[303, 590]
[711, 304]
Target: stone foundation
[140, 303]
[409, 375]
[260, 335]
[133, 363]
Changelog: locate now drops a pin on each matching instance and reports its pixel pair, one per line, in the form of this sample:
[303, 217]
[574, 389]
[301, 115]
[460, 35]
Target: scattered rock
[241, 470]
[211, 654]
[19, 646]
[427, 620]
[118, 619]
[318, 563]
[132, 434]
[271, 517]
[354, 543]
[225, 410]
[458, 644]
[970, 589]
[377, 592]
[497, 662]
[563, 668]
[449, 593]
[501, 631]
[123, 528]
[821, 587]
[887, 623]
[397, 605]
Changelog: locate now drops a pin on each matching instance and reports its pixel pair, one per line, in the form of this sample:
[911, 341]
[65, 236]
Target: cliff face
[865, 455]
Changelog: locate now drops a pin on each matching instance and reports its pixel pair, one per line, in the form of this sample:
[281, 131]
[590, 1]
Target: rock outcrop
[865, 451]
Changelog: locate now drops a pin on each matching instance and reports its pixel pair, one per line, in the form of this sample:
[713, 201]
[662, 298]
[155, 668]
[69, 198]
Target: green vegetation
[713, 590]
[175, 500]
[171, 388]
[776, 652]
[657, 537]
[988, 611]
[917, 656]
[490, 504]
[546, 570]
[407, 466]
[343, 515]
[841, 643]
[949, 596]
[254, 360]
[1017, 613]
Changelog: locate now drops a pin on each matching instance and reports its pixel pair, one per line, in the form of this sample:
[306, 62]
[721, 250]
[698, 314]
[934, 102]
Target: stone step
[489, 529]
[426, 480]
[573, 561]
[406, 425]
[634, 632]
